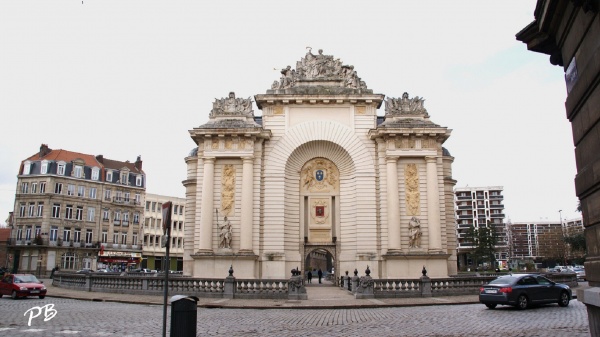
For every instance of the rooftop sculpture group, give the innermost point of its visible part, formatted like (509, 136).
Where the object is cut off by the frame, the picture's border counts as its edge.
(319, 67)
(405, 105)
(232, 106)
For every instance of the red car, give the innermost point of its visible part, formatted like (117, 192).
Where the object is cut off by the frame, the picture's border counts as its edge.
(22, 285)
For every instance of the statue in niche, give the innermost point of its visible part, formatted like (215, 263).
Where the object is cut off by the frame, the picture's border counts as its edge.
(414, 229)
(225, 235)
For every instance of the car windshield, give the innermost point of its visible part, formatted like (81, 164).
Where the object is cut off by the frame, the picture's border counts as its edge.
(504, 280)
(26, 279)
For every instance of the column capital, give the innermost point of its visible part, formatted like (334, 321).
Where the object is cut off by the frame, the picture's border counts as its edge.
(209, 159)
(430, 159)
(391, 159)
(246, 159)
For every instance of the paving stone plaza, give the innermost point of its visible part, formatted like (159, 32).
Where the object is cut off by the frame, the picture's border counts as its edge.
(85, 318)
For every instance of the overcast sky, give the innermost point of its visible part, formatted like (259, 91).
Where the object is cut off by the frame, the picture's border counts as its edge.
(127, 78)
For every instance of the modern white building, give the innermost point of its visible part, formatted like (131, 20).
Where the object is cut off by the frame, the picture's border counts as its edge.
(480, 207)
(319, 174)
(153, 250)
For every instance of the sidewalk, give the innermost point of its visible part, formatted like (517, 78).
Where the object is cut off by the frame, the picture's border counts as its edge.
(320, 296)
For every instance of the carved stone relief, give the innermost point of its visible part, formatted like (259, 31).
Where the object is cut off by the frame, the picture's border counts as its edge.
(227, 189)
(413, 197)
(319, 175)
(215, 144)
(278, 110)
(361, 110)
(228, 143)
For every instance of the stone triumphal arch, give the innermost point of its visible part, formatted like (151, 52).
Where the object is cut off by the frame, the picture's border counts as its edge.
(319, 180)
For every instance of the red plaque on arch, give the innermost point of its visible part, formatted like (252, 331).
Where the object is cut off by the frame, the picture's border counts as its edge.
(320, 210)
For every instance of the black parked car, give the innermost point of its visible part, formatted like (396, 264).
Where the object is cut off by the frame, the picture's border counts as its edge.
(523, 291)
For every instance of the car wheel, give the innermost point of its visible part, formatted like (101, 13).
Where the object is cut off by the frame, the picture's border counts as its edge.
(522, 302)
(491, 306)
(13, 295)
(563, 300)
(42, 297)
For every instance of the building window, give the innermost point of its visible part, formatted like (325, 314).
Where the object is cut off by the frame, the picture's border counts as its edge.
(92, 193)
(78, 171)
(116, 238)
(105, 216)
(117, 218)
(123, 238)
(28, 233)
(138, 199)
(118, 196)
(25, 188)
(69, 212)
(147, 205)
(107, 195)
(125, 218)
(42, 187)
(104, 236)
(40, 209)
(77, 235)
(153, 206)
(79, 214)
(95, 173)
(134, 239)
(109, 176)
(80, 191)
(124, 178)
(70, 189)
(53, 233)
(138, 180)
(58, 188)
(88, 236)
(60, 170)
(27, 167)
(33, 187)
(175, 207)
(44, 168)
(136, 218)
(56, 211)
(68, 261)
(20, 233)
(22, 210)
(91, 213)
(126, 196)
(31, 210)
(67, 234)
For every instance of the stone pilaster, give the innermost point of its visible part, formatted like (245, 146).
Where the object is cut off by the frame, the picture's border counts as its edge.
(206, 219)
(247, 205)
(393, 205)
(433, 206)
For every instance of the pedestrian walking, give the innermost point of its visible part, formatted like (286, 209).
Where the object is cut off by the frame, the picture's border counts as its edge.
(309, 277)
(320, 273)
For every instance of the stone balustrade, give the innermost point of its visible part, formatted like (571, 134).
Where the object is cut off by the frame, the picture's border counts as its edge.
(293, 288)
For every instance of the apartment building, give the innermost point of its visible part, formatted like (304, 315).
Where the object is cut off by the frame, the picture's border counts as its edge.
(525, 244)
(76, 210)
(480, 207)
(154, 252)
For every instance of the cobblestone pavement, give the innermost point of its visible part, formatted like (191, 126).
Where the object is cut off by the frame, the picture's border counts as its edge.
(87, 318)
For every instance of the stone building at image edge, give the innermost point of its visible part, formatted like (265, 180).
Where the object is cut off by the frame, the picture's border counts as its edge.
(319, 180)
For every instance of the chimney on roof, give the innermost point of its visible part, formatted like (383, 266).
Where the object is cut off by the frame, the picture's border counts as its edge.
(138, 163)
(44, 150)
(100, 158)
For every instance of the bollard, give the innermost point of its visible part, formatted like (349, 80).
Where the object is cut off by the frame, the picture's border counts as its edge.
(184, 315)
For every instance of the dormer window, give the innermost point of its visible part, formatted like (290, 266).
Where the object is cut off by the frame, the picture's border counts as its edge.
(60, 170)
(78, 171)
(44, 168)
(27, 167)
(124, 178)
(138, 180)
(109, 176)
(95, 173)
